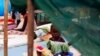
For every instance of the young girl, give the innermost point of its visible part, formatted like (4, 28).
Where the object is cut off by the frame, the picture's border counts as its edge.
(23, 21)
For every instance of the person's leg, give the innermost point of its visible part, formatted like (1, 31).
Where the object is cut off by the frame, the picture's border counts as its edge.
(23, 25)
(18, 21)
(20, 25)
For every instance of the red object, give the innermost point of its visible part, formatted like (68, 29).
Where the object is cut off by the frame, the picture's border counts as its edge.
(10, 21)
(40, 47)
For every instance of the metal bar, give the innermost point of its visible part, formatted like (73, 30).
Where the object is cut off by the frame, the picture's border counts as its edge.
(5, 28)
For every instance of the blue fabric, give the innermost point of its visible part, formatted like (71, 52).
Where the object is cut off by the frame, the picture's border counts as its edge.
(65, 54)
(2, 7)
(69, 54)
(15, 51)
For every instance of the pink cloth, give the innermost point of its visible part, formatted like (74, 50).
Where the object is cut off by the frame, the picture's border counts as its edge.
(11, 27)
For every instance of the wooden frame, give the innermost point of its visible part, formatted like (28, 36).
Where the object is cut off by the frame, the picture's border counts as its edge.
(5, 28)
(30, 27)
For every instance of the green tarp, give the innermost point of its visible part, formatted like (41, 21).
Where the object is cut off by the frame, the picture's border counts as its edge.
(18, 5)
(77, 20)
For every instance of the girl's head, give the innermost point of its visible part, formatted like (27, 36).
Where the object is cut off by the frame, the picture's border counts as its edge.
(44, 34)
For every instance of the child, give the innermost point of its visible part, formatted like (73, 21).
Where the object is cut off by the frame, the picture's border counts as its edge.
(46, 46)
